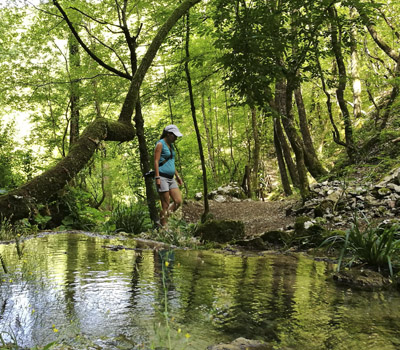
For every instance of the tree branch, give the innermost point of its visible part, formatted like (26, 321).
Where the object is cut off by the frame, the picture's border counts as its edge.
(132, 95)
(89, 52)
(111, 49)
(92, 18)
(377, 38)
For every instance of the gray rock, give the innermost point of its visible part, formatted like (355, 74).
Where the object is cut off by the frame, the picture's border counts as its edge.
(394, 187)
(220, 198)
(198, 196)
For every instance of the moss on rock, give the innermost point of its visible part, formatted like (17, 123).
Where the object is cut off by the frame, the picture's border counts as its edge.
(221, 231)
(362, 279)
(274, 237)
(308, 233)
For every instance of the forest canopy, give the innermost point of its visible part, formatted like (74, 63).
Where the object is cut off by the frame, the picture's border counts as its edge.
(270, 95)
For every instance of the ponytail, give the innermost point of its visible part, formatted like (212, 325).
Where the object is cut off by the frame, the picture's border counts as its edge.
(164, 134)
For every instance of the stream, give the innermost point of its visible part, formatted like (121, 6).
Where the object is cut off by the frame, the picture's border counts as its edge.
(76, 290)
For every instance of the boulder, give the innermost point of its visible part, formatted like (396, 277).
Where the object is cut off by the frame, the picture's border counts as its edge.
(230, 191)
(362, 279)
(274, 237)
(307, 232)
(220, 231)
(255, 243)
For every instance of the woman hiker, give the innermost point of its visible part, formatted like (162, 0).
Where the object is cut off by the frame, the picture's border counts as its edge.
(164, 167)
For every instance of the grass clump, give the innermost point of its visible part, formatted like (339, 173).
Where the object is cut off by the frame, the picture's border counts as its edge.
(178, 233)
(131, 218)
(376, 246)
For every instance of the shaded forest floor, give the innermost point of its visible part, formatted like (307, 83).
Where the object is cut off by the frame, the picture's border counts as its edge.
(257, 216)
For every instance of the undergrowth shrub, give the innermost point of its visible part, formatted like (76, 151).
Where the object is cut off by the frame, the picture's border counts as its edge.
(80, 213)
(131, 218)
(10, 230)
(375, 245)
(178, 233)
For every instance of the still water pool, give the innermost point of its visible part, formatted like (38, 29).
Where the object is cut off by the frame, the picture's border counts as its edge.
(71, 289)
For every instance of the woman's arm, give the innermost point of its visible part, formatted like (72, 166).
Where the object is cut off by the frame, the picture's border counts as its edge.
(157, 156)
(178, 178)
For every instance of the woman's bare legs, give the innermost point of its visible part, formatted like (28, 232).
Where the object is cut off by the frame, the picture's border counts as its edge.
(164, 197)
(176, 199)
(166, 207)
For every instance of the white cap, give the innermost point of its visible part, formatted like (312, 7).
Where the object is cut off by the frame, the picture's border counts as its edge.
(174, 129)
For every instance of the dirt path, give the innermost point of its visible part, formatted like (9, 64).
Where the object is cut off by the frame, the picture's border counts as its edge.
(258, 217)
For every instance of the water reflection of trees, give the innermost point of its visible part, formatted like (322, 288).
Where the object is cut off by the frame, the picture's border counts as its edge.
(279, 298)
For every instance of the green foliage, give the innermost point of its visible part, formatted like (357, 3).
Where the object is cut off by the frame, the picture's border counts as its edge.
(375, 246)
(131, 218)
(81, 215)
(178, 233)
(11, 159)
(11, 231)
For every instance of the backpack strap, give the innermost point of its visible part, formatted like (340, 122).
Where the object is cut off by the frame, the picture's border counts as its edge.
(170, 157)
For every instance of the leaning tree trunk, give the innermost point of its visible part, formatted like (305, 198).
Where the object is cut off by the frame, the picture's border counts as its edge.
(23, 201)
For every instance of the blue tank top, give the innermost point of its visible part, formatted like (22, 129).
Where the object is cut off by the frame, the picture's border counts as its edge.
(169, 166)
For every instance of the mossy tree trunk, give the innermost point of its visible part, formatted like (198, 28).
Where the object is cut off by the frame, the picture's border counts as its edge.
(25, 200)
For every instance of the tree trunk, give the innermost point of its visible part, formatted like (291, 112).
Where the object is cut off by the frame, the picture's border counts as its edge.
(246, 183)
(218, 165)
(196, 127)
(295, 142)
(280, 105)
(145, 164)
(256, 150)
(336, 46)
(144, 154)
(211, 131)
(230, 137)
(74, 62)
(313, 164)
(22, 202)
(208, 138)
(281, 162)
(394, 55)
(355, 74)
